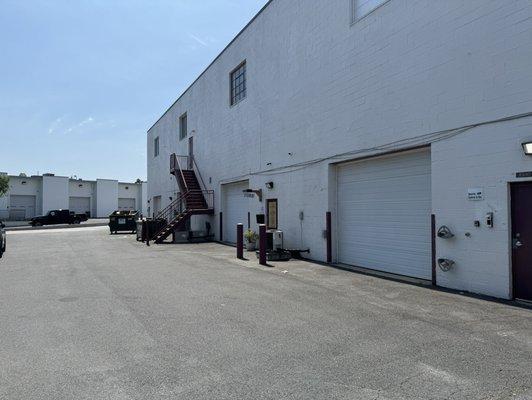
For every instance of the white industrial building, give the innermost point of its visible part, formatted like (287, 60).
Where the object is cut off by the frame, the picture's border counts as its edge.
(397, 117)
(29, 196)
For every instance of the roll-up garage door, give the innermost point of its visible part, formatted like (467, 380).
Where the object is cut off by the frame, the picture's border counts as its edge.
(80, 205)
(21, 207)
(235, 209)
(126, 204)
(384, 212)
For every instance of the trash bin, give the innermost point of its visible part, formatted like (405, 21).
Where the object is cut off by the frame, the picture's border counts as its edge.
(123, 221)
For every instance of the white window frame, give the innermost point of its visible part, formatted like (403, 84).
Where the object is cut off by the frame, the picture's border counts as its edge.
(355, 19)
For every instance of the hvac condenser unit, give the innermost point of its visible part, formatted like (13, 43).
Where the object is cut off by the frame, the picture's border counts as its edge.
(277, 240)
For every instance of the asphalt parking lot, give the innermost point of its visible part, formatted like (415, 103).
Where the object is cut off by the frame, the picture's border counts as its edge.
(86, 315)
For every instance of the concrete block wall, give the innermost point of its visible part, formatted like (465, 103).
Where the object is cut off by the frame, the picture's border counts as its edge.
(487, 158)
(319, 86)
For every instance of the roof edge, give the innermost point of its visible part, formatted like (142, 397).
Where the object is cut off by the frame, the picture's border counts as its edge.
(213, 61)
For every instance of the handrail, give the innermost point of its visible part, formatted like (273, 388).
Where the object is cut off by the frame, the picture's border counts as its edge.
(180, 206)
(204, 187)
(182, 175)
(178, 161)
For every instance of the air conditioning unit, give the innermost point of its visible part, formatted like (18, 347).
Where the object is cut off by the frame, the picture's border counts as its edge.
(277, 240)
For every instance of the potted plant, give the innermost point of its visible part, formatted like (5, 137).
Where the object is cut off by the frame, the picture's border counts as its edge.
(251, 239)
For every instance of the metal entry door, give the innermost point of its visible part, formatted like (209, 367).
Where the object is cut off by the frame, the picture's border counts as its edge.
(522, 240)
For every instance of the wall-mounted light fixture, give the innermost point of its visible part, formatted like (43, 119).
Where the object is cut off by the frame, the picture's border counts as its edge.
(527, 147)
(269, 185)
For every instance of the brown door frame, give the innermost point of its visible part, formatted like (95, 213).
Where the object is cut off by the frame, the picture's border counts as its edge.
(276, 213)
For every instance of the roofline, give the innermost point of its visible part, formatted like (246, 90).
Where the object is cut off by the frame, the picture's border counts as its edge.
(213, 61)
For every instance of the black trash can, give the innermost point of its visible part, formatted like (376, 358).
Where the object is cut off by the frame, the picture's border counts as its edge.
(123, 221)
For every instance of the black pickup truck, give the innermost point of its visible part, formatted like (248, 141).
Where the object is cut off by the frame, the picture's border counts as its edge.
(56, 217)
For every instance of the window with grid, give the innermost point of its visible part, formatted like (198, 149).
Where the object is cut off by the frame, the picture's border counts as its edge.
(183, 132)
(156, 146)
(238, 84)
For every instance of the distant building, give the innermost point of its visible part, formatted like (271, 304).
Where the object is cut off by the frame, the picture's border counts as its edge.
(37, 194)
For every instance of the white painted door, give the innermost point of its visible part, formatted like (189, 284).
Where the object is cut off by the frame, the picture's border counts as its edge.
(125, 204)
(80, 205)
(384, 214)
(235, 209)
(21, 207)
(156, 206)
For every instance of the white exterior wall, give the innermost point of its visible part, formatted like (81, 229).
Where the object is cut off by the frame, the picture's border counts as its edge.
(319, 86)
(54, 193)
(107, 195)
(31, 187)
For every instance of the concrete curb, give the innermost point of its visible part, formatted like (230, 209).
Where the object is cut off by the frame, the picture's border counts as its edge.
(51, 227)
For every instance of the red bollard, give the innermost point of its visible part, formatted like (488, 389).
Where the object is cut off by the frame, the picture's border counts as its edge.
(240, 241)
(262, 245)
(328, 224)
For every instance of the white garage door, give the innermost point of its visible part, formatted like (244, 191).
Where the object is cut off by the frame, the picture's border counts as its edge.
(21, 207)
(384, 213)
(126, 204)
(80, 205)
(235, 209)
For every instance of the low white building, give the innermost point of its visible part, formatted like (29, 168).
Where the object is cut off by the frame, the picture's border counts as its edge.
(37, 194)
(394, 117)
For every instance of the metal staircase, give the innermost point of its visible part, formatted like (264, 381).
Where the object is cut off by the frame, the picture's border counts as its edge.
(194, 199)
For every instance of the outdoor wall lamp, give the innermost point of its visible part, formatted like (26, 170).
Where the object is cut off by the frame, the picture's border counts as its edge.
(269, 185)
(257, 192)
(527, 147)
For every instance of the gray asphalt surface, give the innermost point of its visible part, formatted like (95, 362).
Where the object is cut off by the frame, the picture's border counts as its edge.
(85, 315)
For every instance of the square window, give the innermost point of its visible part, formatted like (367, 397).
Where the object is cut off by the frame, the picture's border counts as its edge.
(238, 84)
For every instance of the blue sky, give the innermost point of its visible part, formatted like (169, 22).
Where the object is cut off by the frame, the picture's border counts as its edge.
(82, 81)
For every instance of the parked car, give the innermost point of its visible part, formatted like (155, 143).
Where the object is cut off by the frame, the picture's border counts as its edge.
(2, 239)
(55, 217)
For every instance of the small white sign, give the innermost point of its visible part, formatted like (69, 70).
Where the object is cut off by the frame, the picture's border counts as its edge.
(475, 194)
(249, 195)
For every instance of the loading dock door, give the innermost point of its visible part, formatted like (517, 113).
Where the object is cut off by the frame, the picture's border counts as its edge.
(384, 214)
(126, 204)
(21, 207)
(235, 209)
(80, 205)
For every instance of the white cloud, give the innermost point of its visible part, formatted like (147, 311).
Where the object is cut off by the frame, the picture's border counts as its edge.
(198, 40)
(86, 121)
(55, 125)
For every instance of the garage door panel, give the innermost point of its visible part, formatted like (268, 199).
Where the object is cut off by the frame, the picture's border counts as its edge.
(235, 208)
(126, 204)
(384, 207)
(22, 206)
(80, 205)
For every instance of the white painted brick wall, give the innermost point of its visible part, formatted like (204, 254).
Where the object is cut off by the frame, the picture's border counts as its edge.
(319, 86)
